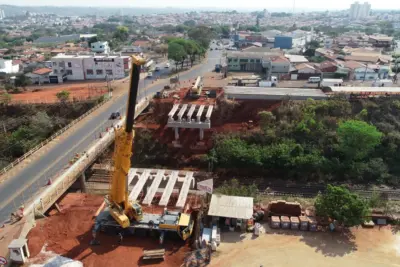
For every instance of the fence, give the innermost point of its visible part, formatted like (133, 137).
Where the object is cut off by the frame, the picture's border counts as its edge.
(48, 140)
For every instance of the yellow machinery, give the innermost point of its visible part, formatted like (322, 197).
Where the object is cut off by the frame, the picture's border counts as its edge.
(121, 209)
(125, 212)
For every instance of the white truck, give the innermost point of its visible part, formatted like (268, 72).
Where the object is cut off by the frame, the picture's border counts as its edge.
(272, 83)
(382, 83)
(331, 82)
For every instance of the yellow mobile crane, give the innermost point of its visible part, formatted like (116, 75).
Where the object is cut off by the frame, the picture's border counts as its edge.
(126, 213)
(121, 209)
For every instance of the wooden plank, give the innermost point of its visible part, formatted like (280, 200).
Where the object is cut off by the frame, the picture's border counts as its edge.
(184, 190)
(153, 188)
(182, 111)
(209, 111)
(168, 189)
(139, 185)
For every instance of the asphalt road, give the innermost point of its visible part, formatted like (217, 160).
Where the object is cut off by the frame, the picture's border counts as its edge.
(26, 183)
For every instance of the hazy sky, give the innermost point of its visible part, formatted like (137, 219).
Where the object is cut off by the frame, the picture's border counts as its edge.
(229, 4)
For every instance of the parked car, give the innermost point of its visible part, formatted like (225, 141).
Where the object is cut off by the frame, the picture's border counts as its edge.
(167, 65)
(157, 68)
(115, 115)
(314, 79)
(149, 74)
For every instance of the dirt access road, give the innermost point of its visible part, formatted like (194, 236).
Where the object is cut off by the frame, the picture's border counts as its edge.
(286, 248)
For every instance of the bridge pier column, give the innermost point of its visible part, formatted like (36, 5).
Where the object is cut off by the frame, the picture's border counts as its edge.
(201, 134)
(176, 133)
(83, 182)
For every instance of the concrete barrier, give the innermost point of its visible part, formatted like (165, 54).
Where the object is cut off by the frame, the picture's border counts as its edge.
(61, 183)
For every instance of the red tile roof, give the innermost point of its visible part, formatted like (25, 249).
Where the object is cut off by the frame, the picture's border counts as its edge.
(42, 71)
(279, 59)
(141, 43)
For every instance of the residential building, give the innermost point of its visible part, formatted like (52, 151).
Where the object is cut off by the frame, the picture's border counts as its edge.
(381, 41)
(131, 50)
(40, 76)
(296, 59)
(7, 66)
(2, 15)
(91, 67)
(306, 68)
(359, 11)
(144, 45)
(365, 73)
(100, 47)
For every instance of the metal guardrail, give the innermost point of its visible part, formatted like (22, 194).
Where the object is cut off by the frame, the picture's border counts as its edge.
(51, 138)
(61, 183)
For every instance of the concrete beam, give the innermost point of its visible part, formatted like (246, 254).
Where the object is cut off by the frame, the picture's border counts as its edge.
(199, 112)
(153, 188)
(139, 185)
(168, 189)
(190, 113)
(182, 111)
(185, 190)
(173, 111)
(209, 111)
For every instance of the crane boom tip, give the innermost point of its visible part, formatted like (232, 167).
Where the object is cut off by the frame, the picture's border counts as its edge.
(138, 60)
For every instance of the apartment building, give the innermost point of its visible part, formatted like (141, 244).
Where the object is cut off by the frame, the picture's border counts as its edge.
(359, 11)
(91, 67)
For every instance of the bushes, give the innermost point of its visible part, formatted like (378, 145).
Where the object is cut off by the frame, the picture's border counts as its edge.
(320, 140)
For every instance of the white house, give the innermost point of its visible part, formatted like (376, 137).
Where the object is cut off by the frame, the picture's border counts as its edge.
(100, 47)
(40, 76)
(91, 67)
(369, 74)
(6, 66)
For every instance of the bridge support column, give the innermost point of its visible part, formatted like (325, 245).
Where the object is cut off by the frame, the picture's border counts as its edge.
(201, 134)
(176, 133)
(83, 182)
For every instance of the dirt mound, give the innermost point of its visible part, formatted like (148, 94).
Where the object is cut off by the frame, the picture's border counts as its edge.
(69, 233)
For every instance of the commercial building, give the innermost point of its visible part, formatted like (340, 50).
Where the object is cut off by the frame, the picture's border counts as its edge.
(283, 42)
(100, 47)
(7, 66)
(359, 11)
(91, 67)
(268, 63)
(62, 38)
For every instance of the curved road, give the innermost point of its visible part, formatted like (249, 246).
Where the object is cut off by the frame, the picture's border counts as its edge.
(23, 185)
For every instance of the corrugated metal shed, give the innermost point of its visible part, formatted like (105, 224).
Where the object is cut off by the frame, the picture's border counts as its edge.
(272, 93)
(365, 89)
(231, 206)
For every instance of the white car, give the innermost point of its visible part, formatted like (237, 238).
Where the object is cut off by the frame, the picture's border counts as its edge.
(149, 74)
(157, 68)
(167, 65)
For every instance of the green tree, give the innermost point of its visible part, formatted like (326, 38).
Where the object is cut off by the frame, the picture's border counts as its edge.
(340, 204)
(63, 96)
(192, 49)
(357, 138)
(5, 99)
(190, 23)
(201, 34)
(22, 80)
(122, 33)
(177, 53)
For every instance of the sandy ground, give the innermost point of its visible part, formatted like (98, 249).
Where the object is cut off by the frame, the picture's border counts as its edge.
(69, 233)
(47, 94)
(286, 248)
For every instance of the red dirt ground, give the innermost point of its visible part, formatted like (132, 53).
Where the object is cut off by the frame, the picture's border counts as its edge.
(69, 233)
(47, 94)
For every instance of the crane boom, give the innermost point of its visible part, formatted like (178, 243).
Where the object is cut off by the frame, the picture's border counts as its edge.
(121, 209)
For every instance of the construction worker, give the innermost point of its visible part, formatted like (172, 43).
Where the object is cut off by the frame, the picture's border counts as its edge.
(120, 238)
